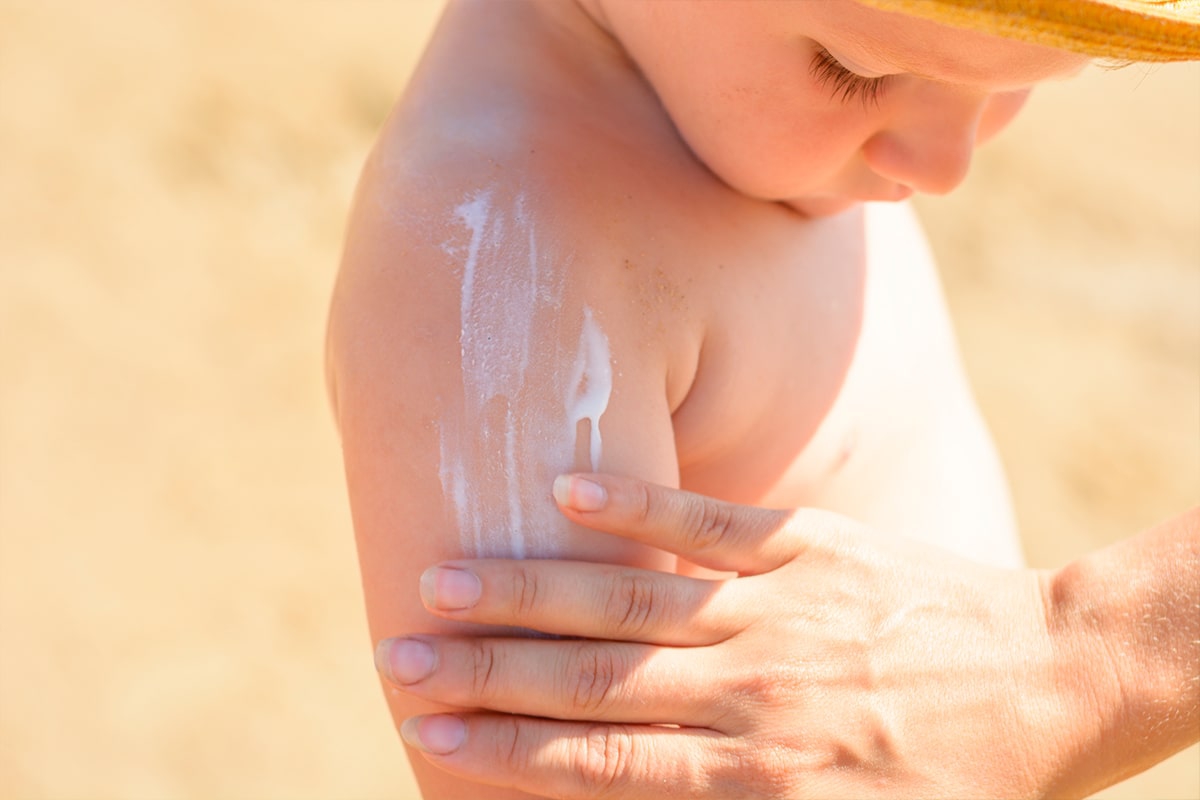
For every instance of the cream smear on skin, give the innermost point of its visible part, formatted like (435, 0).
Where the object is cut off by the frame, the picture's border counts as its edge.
(502, 448)
(591, 383)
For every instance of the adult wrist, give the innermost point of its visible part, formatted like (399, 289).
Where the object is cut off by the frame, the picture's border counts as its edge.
(1087, 678)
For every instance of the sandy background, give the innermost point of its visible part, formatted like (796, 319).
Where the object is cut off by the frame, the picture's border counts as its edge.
(179, 608)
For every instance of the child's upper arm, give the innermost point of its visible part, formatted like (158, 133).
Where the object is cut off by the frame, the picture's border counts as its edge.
(476, 350)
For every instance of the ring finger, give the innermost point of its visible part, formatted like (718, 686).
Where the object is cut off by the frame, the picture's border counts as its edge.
(566, 680)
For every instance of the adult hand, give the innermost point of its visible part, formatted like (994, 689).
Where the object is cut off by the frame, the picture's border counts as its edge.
(839, 663)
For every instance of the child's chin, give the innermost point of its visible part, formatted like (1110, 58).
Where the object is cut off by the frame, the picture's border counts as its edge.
(818, 207)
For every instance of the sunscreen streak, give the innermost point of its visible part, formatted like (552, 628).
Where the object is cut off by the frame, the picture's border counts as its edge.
(591, 384)
(503, 443)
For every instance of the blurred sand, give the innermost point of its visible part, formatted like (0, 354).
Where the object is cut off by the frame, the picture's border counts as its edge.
(179, 607)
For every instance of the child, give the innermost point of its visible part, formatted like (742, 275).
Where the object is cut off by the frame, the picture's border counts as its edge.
(663, 239)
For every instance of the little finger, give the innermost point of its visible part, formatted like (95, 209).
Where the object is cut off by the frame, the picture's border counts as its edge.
(573, 759)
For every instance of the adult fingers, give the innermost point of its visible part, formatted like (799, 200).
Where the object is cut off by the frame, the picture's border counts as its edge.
(708, 532)
(596, 601)
(573, 759)
(566, 680)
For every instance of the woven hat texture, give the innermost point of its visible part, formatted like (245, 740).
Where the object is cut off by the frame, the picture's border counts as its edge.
(1122, 30)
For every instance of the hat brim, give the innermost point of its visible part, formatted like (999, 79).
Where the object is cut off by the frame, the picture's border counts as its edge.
(1121, 30)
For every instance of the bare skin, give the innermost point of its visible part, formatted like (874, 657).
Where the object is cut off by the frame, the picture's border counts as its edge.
(897, 672)
(678, 174)
(900, 671)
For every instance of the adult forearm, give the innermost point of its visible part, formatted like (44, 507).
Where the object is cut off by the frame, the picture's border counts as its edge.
(1126, 626)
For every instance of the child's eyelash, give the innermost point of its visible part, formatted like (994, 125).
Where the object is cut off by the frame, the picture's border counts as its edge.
(842, 83)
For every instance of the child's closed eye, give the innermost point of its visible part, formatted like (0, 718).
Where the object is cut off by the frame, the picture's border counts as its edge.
(843, 84)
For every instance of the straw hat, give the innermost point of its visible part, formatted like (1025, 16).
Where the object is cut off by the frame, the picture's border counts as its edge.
(1125, 30)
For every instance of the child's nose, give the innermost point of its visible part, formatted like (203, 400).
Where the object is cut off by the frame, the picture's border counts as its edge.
(930, 149)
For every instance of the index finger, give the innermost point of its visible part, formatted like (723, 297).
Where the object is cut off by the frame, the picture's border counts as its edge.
(709, 532)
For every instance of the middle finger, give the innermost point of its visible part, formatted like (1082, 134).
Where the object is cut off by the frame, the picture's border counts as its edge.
(595, 601)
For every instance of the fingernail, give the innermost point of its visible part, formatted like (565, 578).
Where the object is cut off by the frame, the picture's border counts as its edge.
(450, 588)
(571, 491)
(404, 661)
(440, 734)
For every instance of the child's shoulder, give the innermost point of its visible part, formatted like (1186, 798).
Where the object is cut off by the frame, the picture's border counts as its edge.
(533, 203)
(495, 186)
(504, 105)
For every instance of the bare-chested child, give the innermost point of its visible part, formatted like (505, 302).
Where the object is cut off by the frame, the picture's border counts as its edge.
(668, 240)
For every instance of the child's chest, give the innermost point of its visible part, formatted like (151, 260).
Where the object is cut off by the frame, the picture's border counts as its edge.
(783, 324)
(833, 380)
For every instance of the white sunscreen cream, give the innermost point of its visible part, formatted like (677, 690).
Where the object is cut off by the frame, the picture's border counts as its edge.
(591, 384)
(502, 444)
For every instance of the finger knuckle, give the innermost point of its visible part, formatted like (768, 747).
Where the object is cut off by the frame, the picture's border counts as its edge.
(632, 604)
(511, 745)
(708, 524)
(483, 670)
(641, 504)
(593, 680)
(767, 770)
(772, 686)
(605, 760)
(759, 691)
(524, 591)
